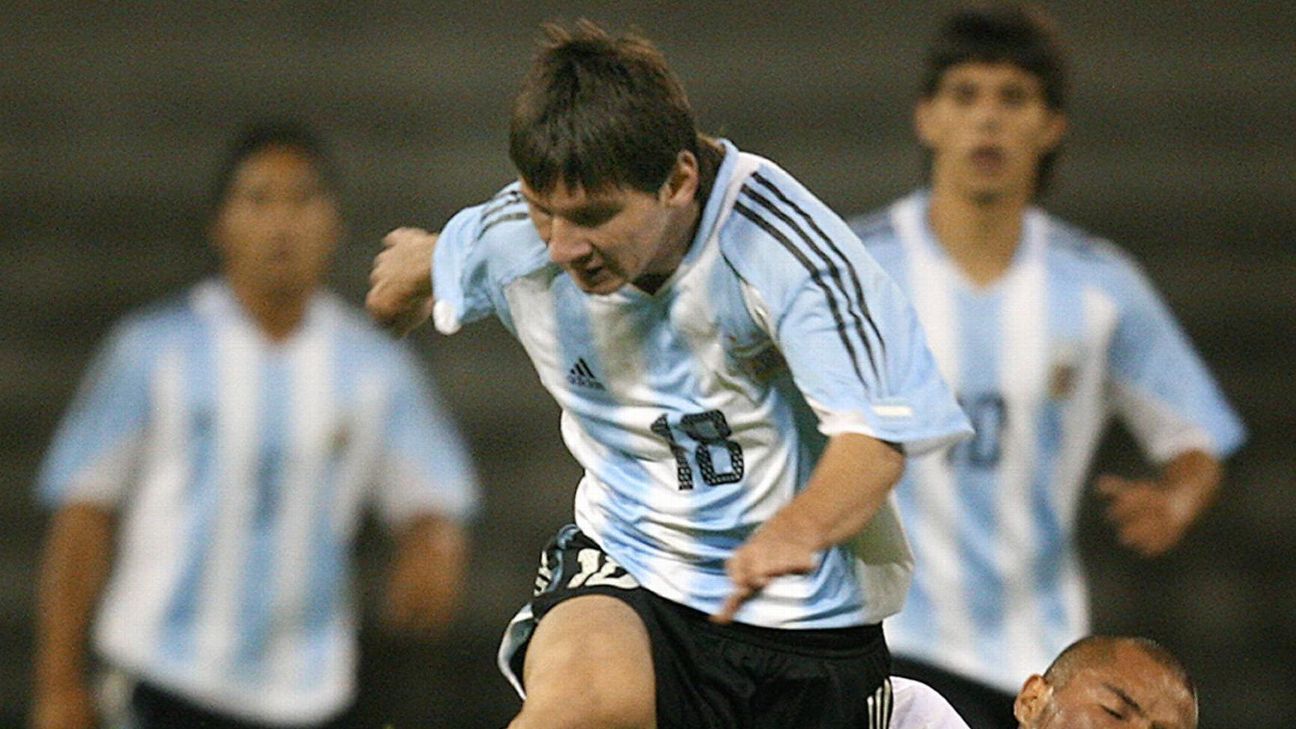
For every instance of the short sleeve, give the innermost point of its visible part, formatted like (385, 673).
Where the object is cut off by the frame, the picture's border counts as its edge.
(475, 251)
(97, 443)
(1161, 387)
(425, 465)
(848, 334)
(864, 366)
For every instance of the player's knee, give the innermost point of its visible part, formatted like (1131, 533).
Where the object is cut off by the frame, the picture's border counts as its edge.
(589, 666)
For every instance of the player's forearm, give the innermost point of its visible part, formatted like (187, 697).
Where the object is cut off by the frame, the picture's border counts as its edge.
(74, 569)
(1193, 478)
(846, 490)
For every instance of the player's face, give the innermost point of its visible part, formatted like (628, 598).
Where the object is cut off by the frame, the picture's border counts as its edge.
(615, 236)
(987, 126)
(278, 224)
(1130, 692)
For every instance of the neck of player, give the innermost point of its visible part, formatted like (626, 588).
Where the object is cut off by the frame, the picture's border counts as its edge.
(979, 231)
(277, 314)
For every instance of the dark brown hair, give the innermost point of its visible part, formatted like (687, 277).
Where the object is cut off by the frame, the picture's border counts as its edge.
(1021, 35)
(597, 111)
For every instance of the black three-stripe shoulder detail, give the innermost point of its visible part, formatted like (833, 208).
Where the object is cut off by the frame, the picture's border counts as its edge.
(502, 208)
(779, 236)
(860, 301)
(505, 217)
(501, 200)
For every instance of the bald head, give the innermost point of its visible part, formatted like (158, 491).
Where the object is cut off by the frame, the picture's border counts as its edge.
(1110, 681)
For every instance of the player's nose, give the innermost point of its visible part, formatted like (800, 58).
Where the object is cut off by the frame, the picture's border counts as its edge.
(566, 244)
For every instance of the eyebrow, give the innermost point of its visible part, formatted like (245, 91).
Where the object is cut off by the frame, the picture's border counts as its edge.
(1125, 697)
(594, 208)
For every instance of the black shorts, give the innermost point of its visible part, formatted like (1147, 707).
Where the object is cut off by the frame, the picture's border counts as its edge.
(153, 707)
(720, 676)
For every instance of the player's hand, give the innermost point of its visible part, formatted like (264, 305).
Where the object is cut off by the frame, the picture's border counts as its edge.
(400, 284)
(67, 707)
(1149, 517)
(778, 548)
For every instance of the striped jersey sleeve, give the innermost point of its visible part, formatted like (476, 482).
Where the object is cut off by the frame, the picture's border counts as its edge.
(479, 249)
(1161, 387)
(98, 440)
(851, 339)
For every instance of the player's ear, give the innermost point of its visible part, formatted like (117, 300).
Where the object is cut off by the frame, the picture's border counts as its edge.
(681, 185)
(1054, 130)
(1031, 700)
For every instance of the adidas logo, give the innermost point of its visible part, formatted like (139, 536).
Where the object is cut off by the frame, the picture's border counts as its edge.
(581, 375)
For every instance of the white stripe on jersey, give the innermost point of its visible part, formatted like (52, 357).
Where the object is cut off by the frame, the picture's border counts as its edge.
(152, 525)
(235, 462)
(305, 489)
(1023, 374)
(933, 525)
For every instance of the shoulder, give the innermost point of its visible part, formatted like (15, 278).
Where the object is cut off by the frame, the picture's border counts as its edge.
(358, 334)
(1090, 258)
(501, 232)
(776, 221)
(875, 228)
(151, 325)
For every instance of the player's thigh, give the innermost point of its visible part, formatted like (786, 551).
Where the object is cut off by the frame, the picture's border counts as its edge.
(590, 659)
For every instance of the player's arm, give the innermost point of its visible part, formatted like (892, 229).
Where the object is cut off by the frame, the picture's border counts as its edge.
(1165, 394)
(400, 284)
(425, 583)
(74, 568)
(1152, 515)
(850, 483)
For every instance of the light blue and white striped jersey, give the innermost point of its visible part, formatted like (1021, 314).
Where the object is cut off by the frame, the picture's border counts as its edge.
(700, 410)
(239, 469)
(1070, 334)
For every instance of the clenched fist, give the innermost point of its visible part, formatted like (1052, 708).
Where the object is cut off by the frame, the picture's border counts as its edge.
(400, 284)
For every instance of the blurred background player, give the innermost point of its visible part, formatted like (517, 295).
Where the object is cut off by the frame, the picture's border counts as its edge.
(1043, 330)
(213, 469)
(738, 379)
(1105, 681)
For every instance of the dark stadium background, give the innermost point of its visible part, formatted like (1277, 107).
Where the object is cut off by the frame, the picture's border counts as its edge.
(112, 116)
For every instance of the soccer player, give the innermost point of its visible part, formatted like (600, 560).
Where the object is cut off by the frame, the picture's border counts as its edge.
(1044, 331)
(738, 379)
(225, 442)
(1105, 681)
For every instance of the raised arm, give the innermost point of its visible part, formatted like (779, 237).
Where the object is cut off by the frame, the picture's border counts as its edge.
(400, 284)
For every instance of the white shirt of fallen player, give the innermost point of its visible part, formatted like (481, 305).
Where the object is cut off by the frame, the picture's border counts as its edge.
(1071, 334)
(700, 410)
(915, 705)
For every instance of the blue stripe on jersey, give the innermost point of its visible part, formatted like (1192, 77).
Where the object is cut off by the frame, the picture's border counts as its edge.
(257, 594)
(857, 308)
(979, 378)
(198, 390)
(833, 307)
(1065, 323)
